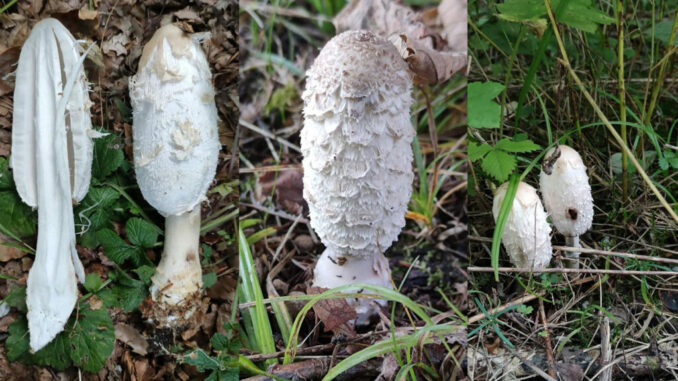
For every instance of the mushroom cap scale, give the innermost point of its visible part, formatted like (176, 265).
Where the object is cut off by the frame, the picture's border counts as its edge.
(356, 143)
(176, 145)
(526, 235)
(567, 194)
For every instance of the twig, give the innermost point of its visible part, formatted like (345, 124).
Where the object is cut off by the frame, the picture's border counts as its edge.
(269, 135)
(605, 353)
(602, 252)
(547, 341)
(570, 271)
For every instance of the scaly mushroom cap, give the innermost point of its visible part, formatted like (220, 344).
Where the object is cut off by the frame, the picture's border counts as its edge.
(356, 143)
(526, 236)
(567, 193)
(176, 146)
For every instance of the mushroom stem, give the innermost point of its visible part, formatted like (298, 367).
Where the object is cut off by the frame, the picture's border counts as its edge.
(572, 257)
(179, 274)
(335, 270)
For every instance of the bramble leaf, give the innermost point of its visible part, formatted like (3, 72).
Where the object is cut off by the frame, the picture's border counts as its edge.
(141, 232)
(483, 111)
(499, 165)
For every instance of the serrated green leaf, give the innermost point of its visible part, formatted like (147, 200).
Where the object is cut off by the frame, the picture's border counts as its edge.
(16, 217)
(141, 232)
(116, 249)
(499, 165)
(209, 279)
(579, 14)
(92, 282)
(17, 342)
(477, 151)
(95, 211)
(108, 157)
(201, 360)
(219, 341)
(87, 342)
(483, 111)
(517, 146)
(91, 339)
(6, 181)
(145, 273)
(17, 298)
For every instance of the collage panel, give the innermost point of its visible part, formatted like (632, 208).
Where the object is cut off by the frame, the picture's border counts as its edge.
(572, 193)
(118, 189)
(353, 178)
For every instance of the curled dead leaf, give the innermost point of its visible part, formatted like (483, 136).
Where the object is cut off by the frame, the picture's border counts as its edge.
(432, 56)
(130, 336)
(335, 314)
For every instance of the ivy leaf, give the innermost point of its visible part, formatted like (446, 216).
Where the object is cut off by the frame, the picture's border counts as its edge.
(107, 158)
(141, 232)
(517, 146)
(499, 165)
(477, 151)
(116, 249)
(483, 111)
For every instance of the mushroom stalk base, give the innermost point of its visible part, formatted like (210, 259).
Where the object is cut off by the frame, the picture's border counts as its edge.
(571, 260)
(178, 277)
(335, 270)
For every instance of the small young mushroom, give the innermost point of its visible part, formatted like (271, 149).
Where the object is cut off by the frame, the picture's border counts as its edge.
(356, 144)
(176, 148)
(567, 196)
(526, 236)
(51, 160)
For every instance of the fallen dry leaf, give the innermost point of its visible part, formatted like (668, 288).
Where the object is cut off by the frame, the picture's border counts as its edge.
(288, 186)
(452, 14)
(334, 313)
(130, 336)
(7, 253)
(86, 14)
(116, 44)
(430, 59)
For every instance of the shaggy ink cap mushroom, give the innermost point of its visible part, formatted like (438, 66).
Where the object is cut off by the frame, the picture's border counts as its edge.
(356, 144)
(526, 235)
(176, 148)
(51, 161)
(567, 197)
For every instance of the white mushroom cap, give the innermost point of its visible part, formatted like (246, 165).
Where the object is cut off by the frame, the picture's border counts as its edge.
(526, 236)
(356, 143)
(175, 122)
(567, 193)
